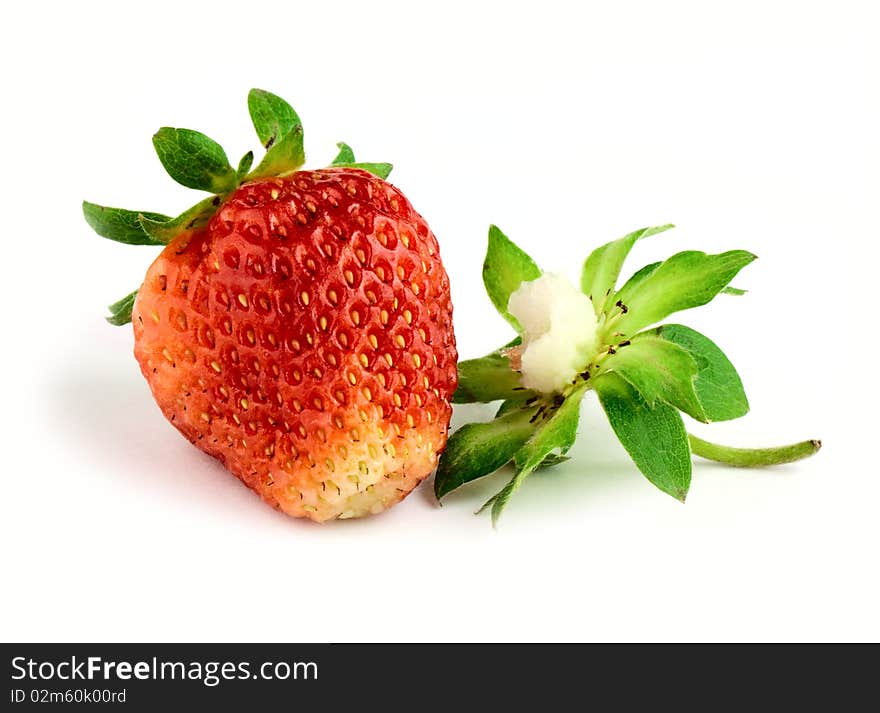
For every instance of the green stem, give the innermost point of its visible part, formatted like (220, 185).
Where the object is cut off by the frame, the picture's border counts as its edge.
(611, 318)
(753, 457)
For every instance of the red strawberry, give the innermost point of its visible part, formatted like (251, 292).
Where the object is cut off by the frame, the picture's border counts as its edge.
(299, 329)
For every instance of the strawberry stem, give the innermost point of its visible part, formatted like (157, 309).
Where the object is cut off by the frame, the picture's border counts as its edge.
(753, 457)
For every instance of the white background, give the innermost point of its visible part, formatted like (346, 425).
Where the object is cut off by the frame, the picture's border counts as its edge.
(749, 124)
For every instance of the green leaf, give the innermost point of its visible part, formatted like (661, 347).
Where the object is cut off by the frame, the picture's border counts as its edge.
(280, 131)
(165, 231)
(602, 268)
(687, 279)
(285, 156)
(558, 432)
(717, 384)
(753, 457)
(120, 312)
(345, 156)
(194, 160)
(486, 379)
(622, 295)
(505, 268)
(119, 224)
(272, 116)
(654, 437)
(551, 460)
(382, 170)
(479, 449)
(345, 159)
(244, 165)
(659, 370)
(513, 404)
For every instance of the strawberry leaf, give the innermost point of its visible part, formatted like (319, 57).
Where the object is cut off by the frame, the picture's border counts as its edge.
(558, 432)
(120, 312)
(753, 457)
(717, 384)
(486, 379)
(382, 170)
(660, 370)
(272, 117)
(505, 268)
(345, 159)
(280, 131)
(119, 224)
(513, 404)
(551, 460)
(478, 449)
(163, 231)
(345, 156)
(654, 436)
(285, 156)
(622, 295)
(687, 279)
(602, 268)
(194, 160)
(244, 165)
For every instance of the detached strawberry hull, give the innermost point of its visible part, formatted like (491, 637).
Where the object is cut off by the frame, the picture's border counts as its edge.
(303, 337)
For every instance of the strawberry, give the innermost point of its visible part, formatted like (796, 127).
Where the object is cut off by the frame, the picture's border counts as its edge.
(297, 325)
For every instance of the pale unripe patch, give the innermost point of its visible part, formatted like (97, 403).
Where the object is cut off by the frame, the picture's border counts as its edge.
(559, 332)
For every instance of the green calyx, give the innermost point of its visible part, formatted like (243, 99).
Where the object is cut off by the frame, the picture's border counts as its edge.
(345, 159)
(196, 161)
(645, 376)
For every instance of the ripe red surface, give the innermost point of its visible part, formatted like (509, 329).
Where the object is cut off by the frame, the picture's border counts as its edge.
(304, 338)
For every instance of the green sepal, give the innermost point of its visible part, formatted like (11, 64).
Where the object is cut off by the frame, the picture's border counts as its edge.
(478, 449)
(753, 457)
(345, 155)
(512, 404)
(120, 312)
(639, 276)
(486, 379)
(285, 156)
(557, 432)
(623, 294)
(654, 437)
(244, 165)
(659, 370)
(197, 216)
(717, 384)
(554, 433)
(382, 170)
(505, 268)
(551, 460)
(345, 159)
(602, 268)
(686, 280)
(280, 131)
(119, 224)
(272, 117)
(194, 160)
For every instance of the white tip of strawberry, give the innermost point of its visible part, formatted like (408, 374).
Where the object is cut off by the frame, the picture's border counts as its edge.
(559, 332)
